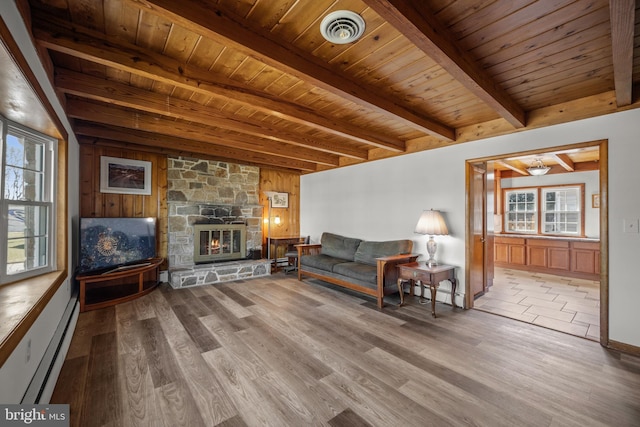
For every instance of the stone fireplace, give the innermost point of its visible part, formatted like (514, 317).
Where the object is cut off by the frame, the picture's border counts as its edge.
(222, 195)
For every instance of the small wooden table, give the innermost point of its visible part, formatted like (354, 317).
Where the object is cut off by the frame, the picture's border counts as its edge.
(277, 242)
(419, 272)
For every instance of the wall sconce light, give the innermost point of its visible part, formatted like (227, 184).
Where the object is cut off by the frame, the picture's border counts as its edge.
(276, 220)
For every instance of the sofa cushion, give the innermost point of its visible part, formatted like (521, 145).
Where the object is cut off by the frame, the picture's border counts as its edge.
(357, 270)
(321, 262)
(367, 252)
(338, 246)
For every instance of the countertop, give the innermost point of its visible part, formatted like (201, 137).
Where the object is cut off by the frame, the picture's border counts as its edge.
(538, 236)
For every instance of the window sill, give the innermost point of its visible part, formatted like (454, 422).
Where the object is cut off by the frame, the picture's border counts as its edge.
(20, 305)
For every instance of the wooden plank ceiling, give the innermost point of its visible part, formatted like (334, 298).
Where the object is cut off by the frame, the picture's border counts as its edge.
(255, 82)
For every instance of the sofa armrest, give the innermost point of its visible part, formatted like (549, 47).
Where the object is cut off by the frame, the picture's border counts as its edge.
(387, 271)
(398, 259)
(308, 249)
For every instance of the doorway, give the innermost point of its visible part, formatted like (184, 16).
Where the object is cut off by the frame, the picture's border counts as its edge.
(486, 221)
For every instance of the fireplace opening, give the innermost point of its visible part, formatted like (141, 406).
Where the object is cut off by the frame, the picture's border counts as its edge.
(219, 242)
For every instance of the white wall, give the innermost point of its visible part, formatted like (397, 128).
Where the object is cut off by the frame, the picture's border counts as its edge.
(17, 370)
(383, 200)
(591, 181)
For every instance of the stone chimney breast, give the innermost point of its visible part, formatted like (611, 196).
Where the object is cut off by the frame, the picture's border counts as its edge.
(201, 191)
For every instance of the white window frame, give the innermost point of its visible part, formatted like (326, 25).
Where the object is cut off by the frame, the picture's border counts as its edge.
(521, 212)
(563, 210)
(49, 189)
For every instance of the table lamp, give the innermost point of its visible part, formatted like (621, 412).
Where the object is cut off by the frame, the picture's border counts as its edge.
(432, 224)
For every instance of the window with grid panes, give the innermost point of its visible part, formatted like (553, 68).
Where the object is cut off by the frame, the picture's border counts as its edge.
(561, 213)
(521, 211)
(26, 202)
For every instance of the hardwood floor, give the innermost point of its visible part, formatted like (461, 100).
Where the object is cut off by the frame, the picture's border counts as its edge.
(279, 352)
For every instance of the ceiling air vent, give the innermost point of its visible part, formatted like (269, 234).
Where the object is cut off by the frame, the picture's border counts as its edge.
(342, 27)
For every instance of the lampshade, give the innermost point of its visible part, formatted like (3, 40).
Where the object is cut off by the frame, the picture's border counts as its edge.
(432, 223)
(538, 168)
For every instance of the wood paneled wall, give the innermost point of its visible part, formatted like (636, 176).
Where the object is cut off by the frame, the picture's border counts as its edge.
(282, 182)
(93, 203)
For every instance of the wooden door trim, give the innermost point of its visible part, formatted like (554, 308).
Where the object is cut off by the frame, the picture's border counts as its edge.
(468, 297)
(604, 226)
(604, 243)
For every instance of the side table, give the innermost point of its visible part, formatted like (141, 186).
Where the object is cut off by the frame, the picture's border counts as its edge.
(277, 242)
(422, 274)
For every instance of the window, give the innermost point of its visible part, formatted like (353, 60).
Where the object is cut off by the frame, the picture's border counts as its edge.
(562, 210)
(521, 209)
(557, 209)
(27, 202)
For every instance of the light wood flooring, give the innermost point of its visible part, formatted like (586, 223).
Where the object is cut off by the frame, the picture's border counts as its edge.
(560, 303)
(279, 352)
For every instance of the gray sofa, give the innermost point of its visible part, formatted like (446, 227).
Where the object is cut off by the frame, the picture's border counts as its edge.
(363, 266)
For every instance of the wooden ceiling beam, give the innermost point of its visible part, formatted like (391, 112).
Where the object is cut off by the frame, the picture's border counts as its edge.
(209, 20)
(98, 89)
(419, 24)
(163, 144)
(117, 116)
(566, 112)
(622, 32)
(556, 169)
(178, 153)
(61, 36)
(514, 167)
(565, 161)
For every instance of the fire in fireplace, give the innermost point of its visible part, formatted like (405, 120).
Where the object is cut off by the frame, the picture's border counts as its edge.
(219, 242)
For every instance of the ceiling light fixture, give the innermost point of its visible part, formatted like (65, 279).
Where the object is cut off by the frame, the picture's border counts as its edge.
(342, 27)
(538, 168)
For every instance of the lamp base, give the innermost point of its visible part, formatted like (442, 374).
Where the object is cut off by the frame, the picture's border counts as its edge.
(432, 246)
(431, 263)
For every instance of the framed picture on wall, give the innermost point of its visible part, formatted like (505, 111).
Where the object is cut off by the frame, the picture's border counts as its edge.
(125, 176)
(280, 200)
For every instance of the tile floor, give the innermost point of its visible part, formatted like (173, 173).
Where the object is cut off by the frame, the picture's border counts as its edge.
(561, 303)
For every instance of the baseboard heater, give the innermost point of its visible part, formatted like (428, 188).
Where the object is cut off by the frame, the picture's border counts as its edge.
(44, 380)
